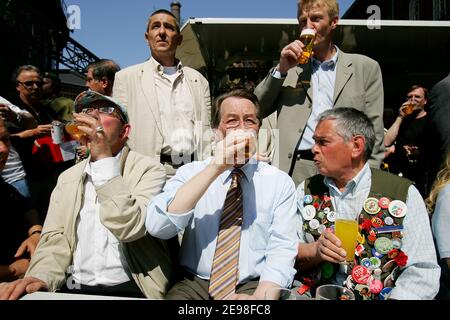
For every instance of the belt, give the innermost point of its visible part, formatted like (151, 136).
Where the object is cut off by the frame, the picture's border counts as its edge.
(305, 154)
(175, 159)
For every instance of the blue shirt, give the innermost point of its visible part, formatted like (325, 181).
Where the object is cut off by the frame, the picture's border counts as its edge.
(420, 278)
(441, 222)
(323, 80)
(268, 245)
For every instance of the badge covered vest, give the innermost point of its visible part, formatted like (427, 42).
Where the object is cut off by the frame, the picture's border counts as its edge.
(378, 255)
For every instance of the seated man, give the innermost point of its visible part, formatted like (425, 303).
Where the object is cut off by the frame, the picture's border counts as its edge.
(94, 230)
(394, 254)
(20, 223)
(239, 214)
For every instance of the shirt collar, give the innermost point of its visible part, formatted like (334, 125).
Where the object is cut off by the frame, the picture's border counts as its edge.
(327, 64)
(160, 69)
(361, 177)
(248, 169)
(88, 169)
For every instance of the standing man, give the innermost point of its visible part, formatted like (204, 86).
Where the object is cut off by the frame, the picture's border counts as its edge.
(239, 213)
(438, 128)
(100, 76)
(332, 79)
(393, 256)
(409, 135)
(94, 239)
(168, 103)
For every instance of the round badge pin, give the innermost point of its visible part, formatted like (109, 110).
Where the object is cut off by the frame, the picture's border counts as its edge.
(383, 245)
(309, 238)
(371, 206)
(322, 228)
(366, 263)
(314, 224)
(377, 222)
(397, 243)
(376, 254)
(375, 263)
(388, 221)
(384, 203)
(326, 210)
(308, 199)
(360, 274)
(309, 213)
(398, 209)
(389, 266)
(331, 216)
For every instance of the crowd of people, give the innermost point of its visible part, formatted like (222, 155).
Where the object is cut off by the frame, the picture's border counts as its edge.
(167, 195)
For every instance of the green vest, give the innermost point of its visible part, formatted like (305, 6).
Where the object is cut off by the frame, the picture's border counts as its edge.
(379, 230)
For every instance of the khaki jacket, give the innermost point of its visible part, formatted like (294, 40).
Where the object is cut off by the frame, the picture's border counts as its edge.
(135, 88)
(288, 103)
(123, 207)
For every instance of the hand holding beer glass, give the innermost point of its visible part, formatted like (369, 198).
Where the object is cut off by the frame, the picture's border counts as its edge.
(407, 108)
(307, 37)
(72, 129)
(236, 148)
(347, 232)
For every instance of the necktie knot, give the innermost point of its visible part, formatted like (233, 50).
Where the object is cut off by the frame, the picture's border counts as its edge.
(236, 177)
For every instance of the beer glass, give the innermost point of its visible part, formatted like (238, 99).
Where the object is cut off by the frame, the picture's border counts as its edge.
(347, 232)
(72, 129)
(334, 292)
(408, 108)
(282, 294)
(307, 37)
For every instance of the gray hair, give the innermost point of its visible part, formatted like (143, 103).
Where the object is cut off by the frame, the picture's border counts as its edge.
(351, 122)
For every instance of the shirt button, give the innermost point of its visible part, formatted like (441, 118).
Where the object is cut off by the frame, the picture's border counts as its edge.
(290, 155)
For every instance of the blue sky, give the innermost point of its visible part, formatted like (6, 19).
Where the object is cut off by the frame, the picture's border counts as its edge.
(115, 29)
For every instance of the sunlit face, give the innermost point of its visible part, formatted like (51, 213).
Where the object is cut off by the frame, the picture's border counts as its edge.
(332, 155)
(4, 146)
(29, 85)
(238, 113)
(316, 17)
(116, 132)
(93, 84)
(162, 35)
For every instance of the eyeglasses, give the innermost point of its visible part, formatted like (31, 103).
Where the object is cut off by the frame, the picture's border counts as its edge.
(104, 110)
(30, 84)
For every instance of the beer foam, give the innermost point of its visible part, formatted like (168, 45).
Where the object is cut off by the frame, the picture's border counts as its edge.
(305, 32)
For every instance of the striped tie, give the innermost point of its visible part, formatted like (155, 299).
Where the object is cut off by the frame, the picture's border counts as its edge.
(224, 272)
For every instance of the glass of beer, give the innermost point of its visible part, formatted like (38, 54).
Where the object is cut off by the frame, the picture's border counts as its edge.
(408, 107)
(347, 232)
(334, 292)
(72, 129)
(307, 37)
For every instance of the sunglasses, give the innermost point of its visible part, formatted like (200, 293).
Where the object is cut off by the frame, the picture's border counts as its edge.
(30, 84)
(104, 110)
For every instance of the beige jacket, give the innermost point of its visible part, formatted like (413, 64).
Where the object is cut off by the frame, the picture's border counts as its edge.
(135, 88)
(288, 103)
(123, 207)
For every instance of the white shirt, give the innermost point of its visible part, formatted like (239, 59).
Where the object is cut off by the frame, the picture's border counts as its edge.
(98, 258)
(323, 80)
(176, 108)
(268, 245)
(441, 222)
(420, 277)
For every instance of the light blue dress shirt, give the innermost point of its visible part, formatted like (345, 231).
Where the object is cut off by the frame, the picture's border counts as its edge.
(323, 80)
(420, 278)
(268, 245)
(441, 222)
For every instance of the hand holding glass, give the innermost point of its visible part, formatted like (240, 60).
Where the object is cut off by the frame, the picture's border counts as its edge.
(347, 232)
(72, 129)
(307, 37)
